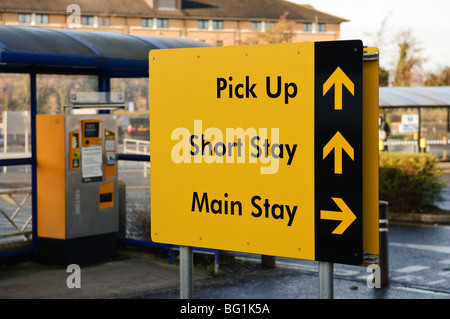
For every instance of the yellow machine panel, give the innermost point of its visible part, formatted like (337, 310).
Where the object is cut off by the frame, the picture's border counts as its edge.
(51, 199)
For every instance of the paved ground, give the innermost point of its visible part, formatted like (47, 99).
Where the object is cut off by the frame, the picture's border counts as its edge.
(418, 269)
(138, 273)
(134, 271)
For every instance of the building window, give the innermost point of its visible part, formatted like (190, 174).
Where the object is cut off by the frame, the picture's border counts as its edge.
(167, 4)
(203, 24)
(24, 17)
(42, 18)
(217, 24)
(147, 22)
(87, 20)
(256, 25)
(321, 27)
(307, 27)
(270, 25)
(103, 21)
(162, 23)
(219, 43)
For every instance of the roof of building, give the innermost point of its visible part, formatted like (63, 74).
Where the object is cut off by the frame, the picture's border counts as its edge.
(229, 9)
(424, 96)
(115, 53)
(256, 9)
(88, 7)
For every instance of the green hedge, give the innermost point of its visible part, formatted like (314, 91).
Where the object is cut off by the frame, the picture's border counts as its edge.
(409, 182)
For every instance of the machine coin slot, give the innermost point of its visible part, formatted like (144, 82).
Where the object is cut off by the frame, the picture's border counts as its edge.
(104, 198)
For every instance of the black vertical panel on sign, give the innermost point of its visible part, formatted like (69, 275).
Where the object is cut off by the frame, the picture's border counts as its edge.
(345, 248)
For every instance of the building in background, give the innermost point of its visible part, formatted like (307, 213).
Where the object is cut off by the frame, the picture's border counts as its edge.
(217, 22)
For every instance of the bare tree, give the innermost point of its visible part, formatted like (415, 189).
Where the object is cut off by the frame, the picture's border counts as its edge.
(441, 78)
(282, 32)
(381, 40)
(409, 60)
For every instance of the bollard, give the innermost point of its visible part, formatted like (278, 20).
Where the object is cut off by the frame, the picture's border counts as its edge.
(267, 261)
(384, 249)
(423, 145)
(122, 209)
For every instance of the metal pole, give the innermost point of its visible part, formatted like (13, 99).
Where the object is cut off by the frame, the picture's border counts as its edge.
(33, 113)
(326, 290)
(384, 249)
(448, 119)
(186, 272)
(419, 133)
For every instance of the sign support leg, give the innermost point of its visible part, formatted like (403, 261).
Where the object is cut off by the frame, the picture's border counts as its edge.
(326, 280)
(186, 272)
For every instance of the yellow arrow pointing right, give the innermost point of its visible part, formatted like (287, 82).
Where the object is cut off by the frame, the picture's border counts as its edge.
(346, 216)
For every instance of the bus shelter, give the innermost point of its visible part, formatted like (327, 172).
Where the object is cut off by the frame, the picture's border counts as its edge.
(39, 68)
(417, 118)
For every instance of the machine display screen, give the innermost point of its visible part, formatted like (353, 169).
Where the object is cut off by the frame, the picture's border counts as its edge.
(91, 130)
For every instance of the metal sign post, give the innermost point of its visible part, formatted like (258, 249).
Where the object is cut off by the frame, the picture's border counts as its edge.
(326, 289)
(186, 272)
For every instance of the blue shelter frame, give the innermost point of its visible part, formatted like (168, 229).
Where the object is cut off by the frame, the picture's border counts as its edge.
(106, 55)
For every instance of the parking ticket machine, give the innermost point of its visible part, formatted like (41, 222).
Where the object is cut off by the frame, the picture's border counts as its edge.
(77, 187)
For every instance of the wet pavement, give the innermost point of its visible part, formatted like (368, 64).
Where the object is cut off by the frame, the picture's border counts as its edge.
(299, 280)
(419, 269)
(139, 273)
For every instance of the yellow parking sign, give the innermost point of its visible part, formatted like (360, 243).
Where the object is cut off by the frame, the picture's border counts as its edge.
(242, 155)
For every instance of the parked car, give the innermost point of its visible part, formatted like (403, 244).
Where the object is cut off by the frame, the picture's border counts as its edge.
(136, 127)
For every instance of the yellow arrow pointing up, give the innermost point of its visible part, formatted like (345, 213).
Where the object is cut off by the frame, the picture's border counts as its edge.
(338, 79)
(338, 143)
(345, 215)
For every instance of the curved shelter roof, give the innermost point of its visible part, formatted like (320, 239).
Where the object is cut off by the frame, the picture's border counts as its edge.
(424, 96)
(71, 49)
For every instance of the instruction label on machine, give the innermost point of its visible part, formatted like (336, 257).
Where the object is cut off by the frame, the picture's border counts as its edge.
(91, 164)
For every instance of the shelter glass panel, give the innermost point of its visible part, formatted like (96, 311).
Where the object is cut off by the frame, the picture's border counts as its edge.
(53, 90)
(134, 121)
(395, 128)
(15, 207)
(134, 139)
(434, 123)
(401, 129)
(15, 132)
(134, 178)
